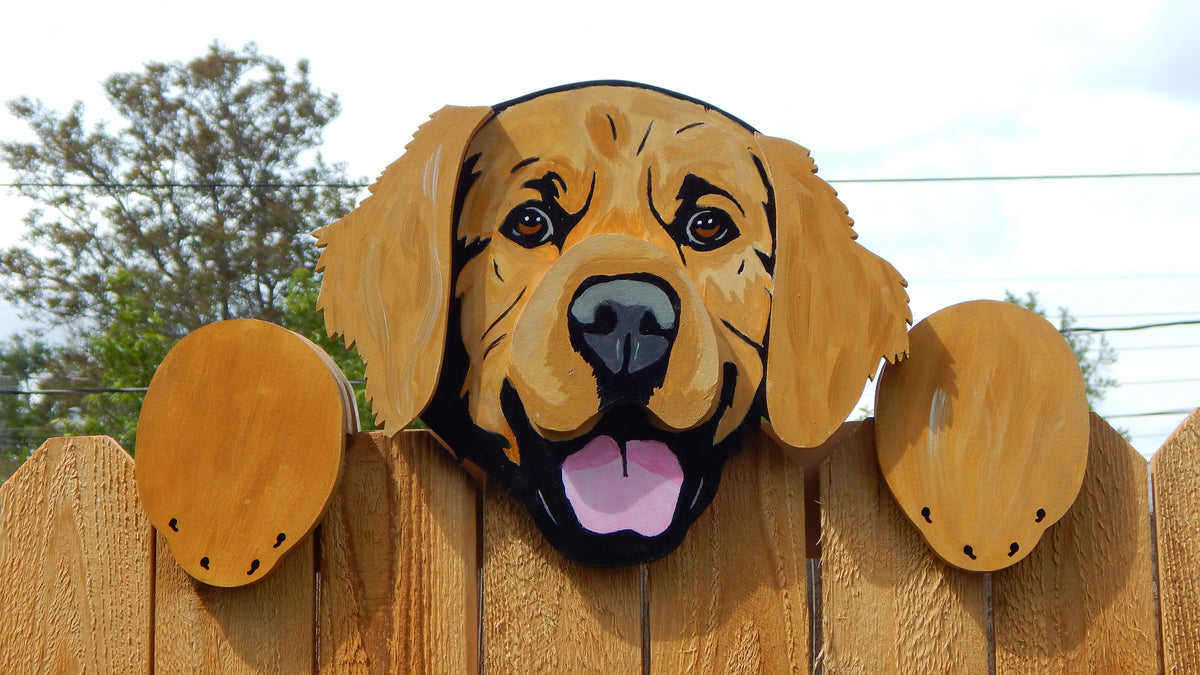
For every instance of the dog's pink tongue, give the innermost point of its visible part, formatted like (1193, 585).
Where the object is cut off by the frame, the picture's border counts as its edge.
(609, 495)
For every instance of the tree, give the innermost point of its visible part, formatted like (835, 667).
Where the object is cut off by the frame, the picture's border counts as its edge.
(23, 360)
(1094, 355)
(196, 207)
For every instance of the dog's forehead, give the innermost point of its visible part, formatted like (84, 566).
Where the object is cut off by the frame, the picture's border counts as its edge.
(609, 119)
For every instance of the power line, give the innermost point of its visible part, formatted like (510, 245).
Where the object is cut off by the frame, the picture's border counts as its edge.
(195, 186)
(1129, 316)
(78, 390)
(1152, 347)
(1167, 324)
(359, 186)
(981, 280)
(1073, 176)
(1157, 413)
(98, 390)
(25, 392)
(1145, 382)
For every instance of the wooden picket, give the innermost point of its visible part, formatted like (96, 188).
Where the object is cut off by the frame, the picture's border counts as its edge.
(76, 562)
(889, 604)
(1176, 473)
(415, 569)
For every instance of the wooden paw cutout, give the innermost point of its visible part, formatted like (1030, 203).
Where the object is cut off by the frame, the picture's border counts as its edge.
(239, 447)
(982, 433)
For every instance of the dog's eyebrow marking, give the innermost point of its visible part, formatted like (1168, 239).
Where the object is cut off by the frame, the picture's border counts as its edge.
(694, 187)
(524, 163)
(547, 185)
(745, 338)
(642, 146)
(690, 126)
(504, 313)
(496, 270)
(612, 125)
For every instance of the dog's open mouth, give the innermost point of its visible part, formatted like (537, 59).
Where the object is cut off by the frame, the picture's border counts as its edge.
(613, 488)
(625, 492)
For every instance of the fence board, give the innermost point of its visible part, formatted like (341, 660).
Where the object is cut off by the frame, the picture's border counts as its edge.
(1083, 601)
(732, 598)
(74, 562)
(399, 561)
(1176, 470)
(889, 604)
(264, 627)
(545, 614)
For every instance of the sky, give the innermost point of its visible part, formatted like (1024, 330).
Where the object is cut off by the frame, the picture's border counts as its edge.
(876, 90)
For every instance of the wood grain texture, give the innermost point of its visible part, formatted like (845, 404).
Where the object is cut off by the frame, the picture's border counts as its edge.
(399, 561)
(1083, 601)
(240, 445)
(732, 597)
(75, 561)
(889, 604)
(545, 614)
(267, 627)
(1176, 471)
(982, 433)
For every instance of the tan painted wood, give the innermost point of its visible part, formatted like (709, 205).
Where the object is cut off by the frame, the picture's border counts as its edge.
(889, 604)
(545, 614)
(399, 574)
(836, 309)
(75, 558)
(240, 444)
(1083, 601)
(1176, 471)
(266, 627)
(732, 598)
(558, 388)
(386, 266)
(982, 432)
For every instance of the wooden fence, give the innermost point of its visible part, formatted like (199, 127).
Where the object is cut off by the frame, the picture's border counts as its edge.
(415, 570)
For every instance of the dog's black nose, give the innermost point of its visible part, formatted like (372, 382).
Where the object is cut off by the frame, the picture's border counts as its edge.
(624, 326)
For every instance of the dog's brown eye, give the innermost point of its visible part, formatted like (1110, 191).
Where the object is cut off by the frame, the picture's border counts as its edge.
(709, 229)
(528, 225)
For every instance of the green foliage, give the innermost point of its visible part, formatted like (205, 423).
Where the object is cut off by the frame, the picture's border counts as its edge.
(300, 315)
(203, 198)
(23, 361)
(196, 205)
(1093, 352)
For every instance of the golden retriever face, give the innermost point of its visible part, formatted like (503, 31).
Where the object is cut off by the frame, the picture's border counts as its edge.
(634, 276)
(609, 211)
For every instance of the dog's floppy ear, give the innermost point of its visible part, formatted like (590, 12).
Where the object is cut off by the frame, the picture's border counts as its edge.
(387, 267)
(836, 309)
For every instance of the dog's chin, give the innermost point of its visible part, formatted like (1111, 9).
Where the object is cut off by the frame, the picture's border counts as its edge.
(625, 492)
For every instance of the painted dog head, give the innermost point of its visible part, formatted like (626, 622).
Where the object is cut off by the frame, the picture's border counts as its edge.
(588, 291)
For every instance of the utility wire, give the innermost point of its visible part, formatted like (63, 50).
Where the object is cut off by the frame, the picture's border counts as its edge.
(1071, 176)
(1167, 324)
(359, 186)
(196, 186)
(1180, 411)
(142, 390)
